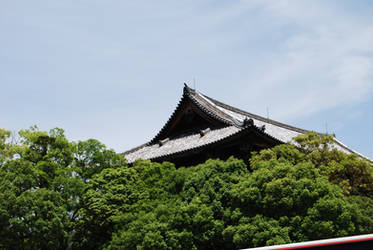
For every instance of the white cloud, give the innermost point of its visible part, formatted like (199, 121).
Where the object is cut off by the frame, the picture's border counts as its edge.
(325, 63)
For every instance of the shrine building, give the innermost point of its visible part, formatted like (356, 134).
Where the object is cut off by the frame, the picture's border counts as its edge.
(202, 127)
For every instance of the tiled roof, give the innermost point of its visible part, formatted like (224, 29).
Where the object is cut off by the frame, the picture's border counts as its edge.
(181, 143)
(233, 119)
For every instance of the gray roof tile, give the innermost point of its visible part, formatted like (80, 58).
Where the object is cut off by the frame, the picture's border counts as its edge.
(181, 143)
(232, 117)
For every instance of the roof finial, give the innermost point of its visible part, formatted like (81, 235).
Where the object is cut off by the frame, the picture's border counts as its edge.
(247, 122)
(186, 89)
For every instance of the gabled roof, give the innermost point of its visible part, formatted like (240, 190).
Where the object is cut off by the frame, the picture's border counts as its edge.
(226, 121)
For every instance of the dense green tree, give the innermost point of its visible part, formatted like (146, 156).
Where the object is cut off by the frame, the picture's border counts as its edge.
(38, 191)
(55, 194)
(43, 177)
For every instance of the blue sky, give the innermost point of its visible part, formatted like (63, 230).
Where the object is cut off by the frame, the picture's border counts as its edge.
(114, 70)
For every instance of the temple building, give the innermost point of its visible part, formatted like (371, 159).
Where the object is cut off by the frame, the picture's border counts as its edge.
(202, 127)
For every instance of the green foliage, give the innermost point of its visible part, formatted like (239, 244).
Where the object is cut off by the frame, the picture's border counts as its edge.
(38, 191)
(55, 194)
(91, 157)
(41, 188)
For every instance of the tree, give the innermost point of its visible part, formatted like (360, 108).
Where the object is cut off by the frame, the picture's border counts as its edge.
(55, 194)
(38, 191)
(294, 193)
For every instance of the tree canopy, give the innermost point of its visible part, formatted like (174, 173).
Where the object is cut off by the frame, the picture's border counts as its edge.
(57, 194)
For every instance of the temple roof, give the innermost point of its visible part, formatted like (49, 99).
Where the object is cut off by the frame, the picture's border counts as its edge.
(221, 122)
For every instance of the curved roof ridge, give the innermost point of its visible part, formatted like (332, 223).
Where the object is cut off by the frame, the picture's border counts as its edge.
(258, 117)
(169, 120)
(217, 114)
(163, 128)
(275, 123)
(188, 93)
(339, 143)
